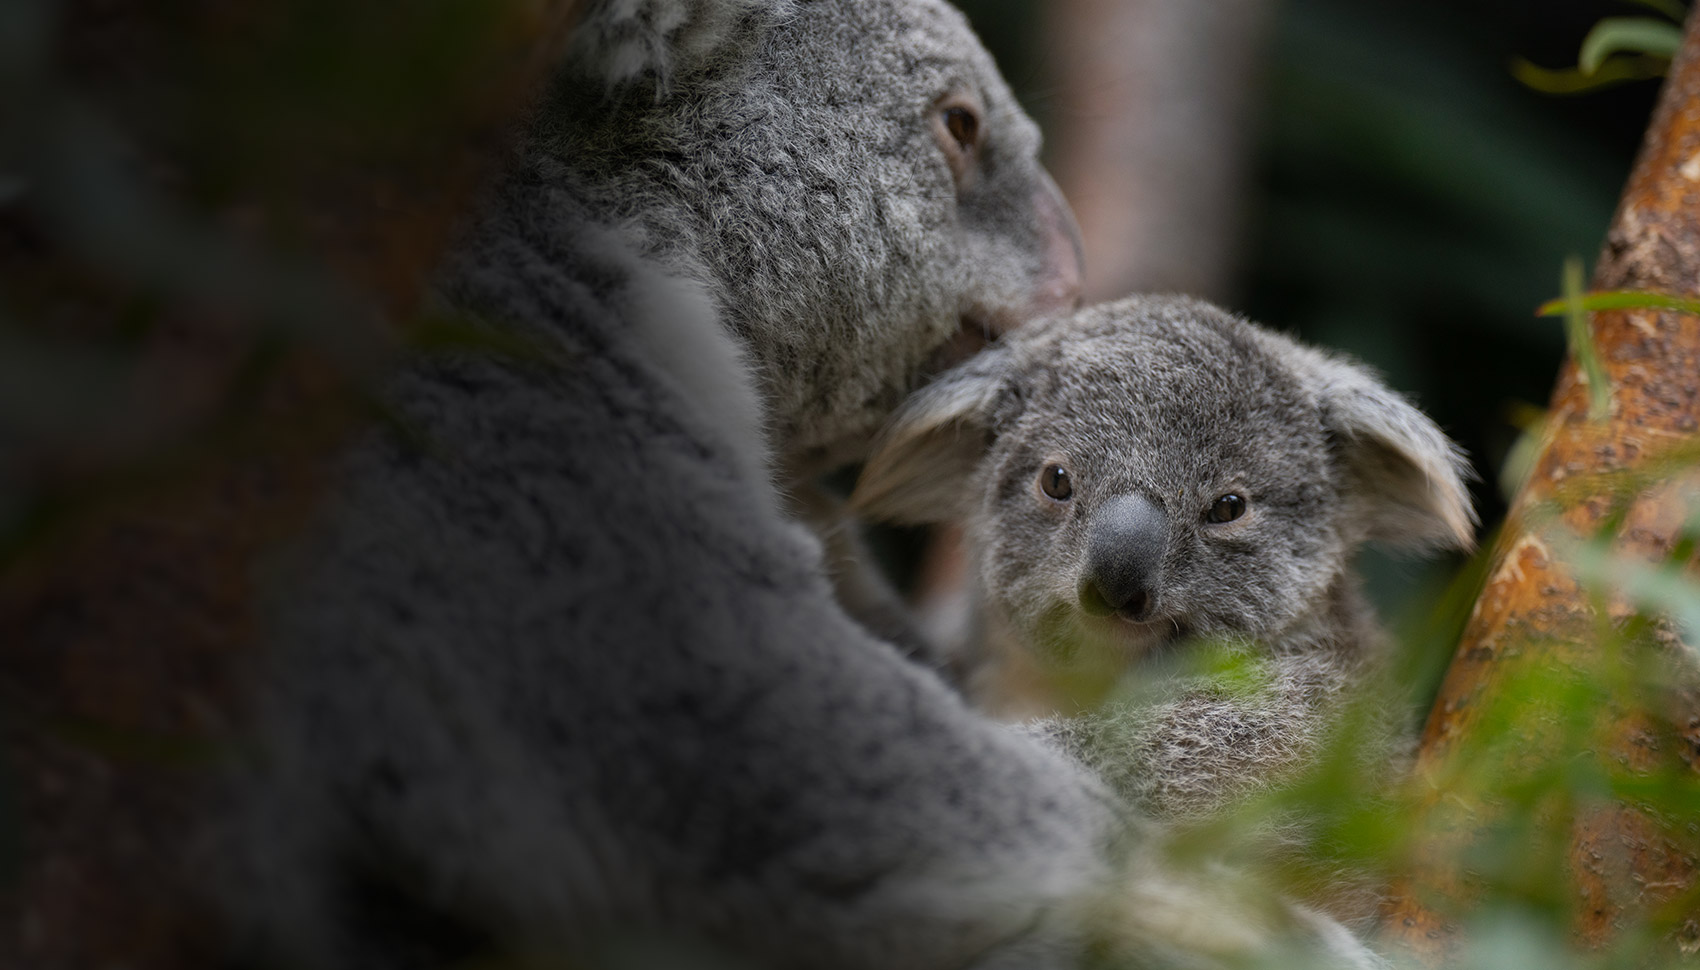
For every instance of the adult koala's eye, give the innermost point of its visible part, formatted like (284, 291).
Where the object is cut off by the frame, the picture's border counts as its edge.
(1225, 509)
(958, 131)
(964, 126)
(1053, 481)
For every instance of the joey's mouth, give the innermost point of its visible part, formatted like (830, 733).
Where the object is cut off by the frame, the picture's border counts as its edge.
(1067, 636)
(1141, 639)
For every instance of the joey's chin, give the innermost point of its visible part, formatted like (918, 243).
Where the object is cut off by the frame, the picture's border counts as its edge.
(1072, 636)
(1136, 639)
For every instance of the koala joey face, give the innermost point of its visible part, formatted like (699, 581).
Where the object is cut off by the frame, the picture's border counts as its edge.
(1155, 468)
(1152, 479)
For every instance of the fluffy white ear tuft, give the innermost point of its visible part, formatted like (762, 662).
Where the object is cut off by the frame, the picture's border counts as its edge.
(621, 42)
(1405, 478)
(923, 463)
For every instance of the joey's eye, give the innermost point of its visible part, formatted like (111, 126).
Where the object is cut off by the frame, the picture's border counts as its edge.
(963, 125)
(1053, 481)
(1225, 509)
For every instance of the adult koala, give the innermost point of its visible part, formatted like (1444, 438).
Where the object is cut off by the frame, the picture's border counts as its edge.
(558, 667)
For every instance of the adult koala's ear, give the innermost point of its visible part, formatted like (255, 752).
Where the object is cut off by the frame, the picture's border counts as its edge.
(620, 42)
(923, 463)
(1404, 479)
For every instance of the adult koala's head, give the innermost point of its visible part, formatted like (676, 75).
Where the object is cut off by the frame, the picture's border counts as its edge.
(852, 180)
(1157, 467)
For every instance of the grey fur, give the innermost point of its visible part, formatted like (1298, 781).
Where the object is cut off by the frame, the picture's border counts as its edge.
(1178, 403)
(559, 666)
(798, 178)
(559, 669)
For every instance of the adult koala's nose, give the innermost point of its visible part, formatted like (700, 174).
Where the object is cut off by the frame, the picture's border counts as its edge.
(1125, 541)
(1057, 288)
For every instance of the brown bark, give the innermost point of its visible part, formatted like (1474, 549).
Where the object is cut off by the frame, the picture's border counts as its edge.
(1625, 867)
(126, 606)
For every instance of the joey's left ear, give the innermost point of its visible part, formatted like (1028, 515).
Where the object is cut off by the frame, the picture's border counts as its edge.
(923, 463)
(1404, 478)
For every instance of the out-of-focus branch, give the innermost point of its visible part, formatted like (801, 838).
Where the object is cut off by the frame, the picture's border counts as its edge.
(1151, 127)
(1616, 477)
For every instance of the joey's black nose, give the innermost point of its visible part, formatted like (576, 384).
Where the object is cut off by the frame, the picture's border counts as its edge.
(1125, 542)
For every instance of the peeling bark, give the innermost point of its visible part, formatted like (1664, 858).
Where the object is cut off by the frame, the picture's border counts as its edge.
(1626, 867)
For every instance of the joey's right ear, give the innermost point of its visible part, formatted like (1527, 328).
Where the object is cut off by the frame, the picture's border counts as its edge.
(923, 463)
(1405, 480)
(619, 42)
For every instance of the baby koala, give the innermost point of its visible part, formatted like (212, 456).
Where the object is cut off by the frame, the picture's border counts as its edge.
(1155, 472)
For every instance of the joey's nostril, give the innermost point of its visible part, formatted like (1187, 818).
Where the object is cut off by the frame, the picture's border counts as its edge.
(1137, 607)
(1092, 601)
(1097, 600)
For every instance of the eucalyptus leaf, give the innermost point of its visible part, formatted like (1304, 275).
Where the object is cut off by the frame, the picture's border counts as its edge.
(1657, 588)
(1621, 69)
(1621, 300)
(1637, 35)
(1580, 336)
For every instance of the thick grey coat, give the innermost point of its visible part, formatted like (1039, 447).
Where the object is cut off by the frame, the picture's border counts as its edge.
(1155, 410)
(559, 671)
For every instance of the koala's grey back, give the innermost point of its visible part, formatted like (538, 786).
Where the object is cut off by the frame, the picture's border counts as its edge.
(557, 665)
(558, 671)
(657, 734)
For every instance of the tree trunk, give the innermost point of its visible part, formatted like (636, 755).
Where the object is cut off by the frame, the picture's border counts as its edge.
(1624, 867)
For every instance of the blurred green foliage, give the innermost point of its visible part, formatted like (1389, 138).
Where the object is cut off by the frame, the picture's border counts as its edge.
(1494, 822)
(1616, 50)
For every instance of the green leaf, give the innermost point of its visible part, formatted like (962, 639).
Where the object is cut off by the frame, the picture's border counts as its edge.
(1581, 339)
(1521, 457)
(1617, 70)
(1659, 588)
(1621, 300)
(1639, 35)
